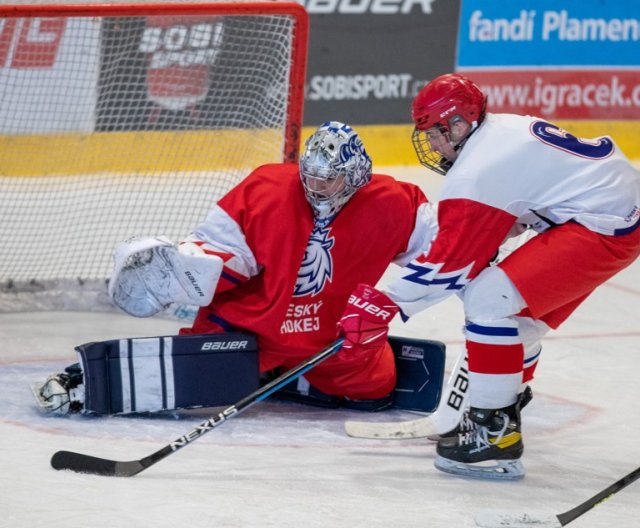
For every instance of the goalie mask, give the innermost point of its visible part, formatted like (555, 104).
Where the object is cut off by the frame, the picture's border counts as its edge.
(445, 112)
(333, 167)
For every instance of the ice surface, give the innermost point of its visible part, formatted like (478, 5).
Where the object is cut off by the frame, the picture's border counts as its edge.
(286, 465)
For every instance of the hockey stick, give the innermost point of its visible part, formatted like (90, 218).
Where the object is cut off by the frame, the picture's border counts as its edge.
(493, 519)
(444, 419)
(101, 466)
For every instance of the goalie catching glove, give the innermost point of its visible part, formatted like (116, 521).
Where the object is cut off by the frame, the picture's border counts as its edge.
(150, 274)
(365, 322)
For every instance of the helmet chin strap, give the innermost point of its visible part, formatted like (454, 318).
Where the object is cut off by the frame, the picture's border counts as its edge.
(458, 146)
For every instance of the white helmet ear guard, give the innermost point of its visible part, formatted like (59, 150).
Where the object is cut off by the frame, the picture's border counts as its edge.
(333, 153)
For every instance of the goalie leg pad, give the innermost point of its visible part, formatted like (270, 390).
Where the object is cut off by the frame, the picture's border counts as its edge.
(419, 373)
(164, 373)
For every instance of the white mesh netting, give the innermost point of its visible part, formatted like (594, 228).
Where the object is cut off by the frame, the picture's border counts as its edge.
(112, 126)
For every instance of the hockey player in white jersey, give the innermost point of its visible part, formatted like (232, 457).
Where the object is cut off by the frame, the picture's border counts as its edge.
(506, 174)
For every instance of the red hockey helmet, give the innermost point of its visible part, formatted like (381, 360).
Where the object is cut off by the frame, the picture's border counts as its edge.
(447, 100)
(446, 96)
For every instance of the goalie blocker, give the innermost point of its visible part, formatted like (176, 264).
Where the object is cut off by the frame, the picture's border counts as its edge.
(141, 375)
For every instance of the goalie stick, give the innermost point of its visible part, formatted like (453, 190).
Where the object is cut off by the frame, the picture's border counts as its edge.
(101, 466)
(494, 519)
(446, 417)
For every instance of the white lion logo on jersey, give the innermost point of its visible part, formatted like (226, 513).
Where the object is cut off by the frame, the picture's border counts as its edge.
(317, 264)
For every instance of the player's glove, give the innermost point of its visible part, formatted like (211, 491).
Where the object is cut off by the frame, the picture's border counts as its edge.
(365, 322)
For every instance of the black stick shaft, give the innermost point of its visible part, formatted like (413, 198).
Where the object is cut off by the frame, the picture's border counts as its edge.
(100, 466)
(568, 516)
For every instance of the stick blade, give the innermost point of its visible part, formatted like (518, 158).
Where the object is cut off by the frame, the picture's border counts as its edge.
(499, 519)
(420, 428)
(68, 460)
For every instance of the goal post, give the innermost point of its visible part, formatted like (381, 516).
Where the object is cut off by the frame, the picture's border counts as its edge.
(132, 119)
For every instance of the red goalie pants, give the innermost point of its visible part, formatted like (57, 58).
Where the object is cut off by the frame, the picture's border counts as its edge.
(363, 377)
(558, 269)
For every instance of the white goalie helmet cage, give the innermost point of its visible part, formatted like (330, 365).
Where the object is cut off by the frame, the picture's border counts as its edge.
(333, 167)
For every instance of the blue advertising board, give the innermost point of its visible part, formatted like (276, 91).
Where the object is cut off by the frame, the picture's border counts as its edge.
(571, 59)
(549, 33)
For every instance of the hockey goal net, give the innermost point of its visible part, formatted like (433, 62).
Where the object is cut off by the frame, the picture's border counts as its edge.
(121, 120)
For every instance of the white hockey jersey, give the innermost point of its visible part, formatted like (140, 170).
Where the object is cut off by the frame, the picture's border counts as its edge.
(518, 170)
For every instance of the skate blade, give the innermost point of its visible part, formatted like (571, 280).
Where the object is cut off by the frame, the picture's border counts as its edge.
(489, 470)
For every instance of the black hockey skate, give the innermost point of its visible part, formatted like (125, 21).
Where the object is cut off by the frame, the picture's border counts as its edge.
(467, 425)
(490, 451)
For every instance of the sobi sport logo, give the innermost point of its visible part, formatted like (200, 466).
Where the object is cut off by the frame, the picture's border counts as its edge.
(180, 53)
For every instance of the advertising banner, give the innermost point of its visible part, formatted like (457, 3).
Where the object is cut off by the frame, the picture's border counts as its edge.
(564, 93)
(368, 58)
(168, 70)
(40, 96)
(577, 59)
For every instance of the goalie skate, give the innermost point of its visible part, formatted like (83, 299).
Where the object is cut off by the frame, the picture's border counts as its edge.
(60, 394)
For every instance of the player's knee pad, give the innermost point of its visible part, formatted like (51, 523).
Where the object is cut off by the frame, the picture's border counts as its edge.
(491, 296)
(163, 373)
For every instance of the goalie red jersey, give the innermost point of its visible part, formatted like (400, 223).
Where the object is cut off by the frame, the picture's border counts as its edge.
(275, 262)
(287, 276)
